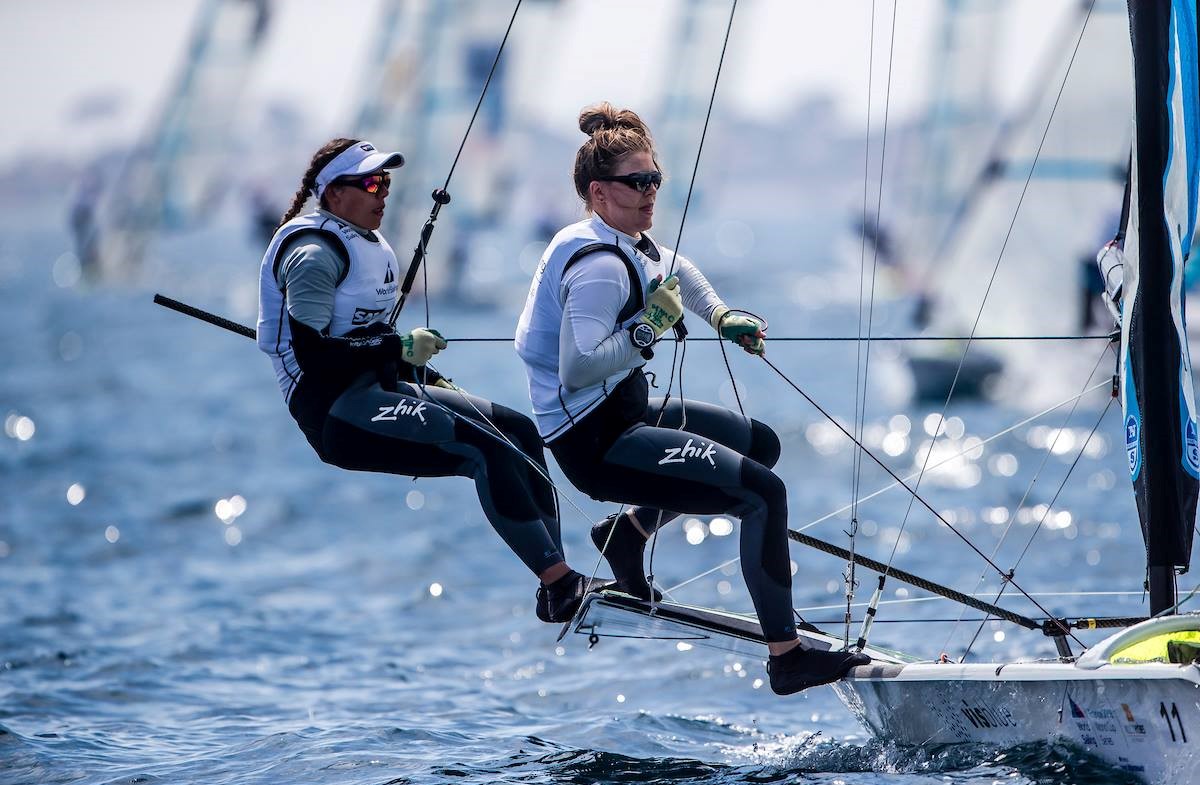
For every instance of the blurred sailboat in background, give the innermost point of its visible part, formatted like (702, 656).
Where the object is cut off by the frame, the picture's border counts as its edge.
(1056, 162)
(177, 174)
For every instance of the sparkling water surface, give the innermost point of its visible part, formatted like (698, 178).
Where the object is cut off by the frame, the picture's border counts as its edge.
(188, 595)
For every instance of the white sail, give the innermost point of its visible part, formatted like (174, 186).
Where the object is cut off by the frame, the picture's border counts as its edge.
(1060, 173)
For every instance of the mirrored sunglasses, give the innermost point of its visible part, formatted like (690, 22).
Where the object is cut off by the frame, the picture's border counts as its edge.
(639, 180)
(370, 183)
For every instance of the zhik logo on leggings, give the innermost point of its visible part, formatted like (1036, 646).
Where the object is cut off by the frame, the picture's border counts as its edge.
(390, 413)
(688, 450)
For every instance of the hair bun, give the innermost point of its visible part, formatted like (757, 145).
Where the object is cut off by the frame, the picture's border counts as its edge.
(604, 116)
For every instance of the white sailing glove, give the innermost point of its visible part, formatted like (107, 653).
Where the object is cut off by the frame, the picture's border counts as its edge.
(420, 345)
(664, 305)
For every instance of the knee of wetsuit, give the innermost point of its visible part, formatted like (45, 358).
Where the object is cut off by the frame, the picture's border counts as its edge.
(519, 427)
(776, 558)
(765, 484)
(470, 433)
(764, 444)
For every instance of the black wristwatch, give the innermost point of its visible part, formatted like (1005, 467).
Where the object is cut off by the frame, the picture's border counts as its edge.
(641, 335)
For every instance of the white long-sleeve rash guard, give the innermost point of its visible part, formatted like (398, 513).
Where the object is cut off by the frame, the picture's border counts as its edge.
(590, 347)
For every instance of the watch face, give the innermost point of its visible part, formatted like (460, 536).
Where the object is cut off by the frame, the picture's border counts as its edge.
(642, 335)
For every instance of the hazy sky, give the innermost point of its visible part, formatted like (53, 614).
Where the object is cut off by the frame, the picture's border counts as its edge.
(586, 50)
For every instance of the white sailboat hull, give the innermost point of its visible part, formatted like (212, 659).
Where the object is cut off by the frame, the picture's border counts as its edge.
(1144, 719)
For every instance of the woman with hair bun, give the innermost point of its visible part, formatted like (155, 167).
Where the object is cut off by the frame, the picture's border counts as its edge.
(361, 392)
(597, 305)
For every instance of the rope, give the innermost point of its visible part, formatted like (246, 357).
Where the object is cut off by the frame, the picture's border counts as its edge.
(961, 453)
(1013, 570)
(855, 474)
(848, 338)
(680, 330)
(861, 360)
(1101, 623)
(912, 491)
(703, 135)
(987, 292)
(498, 434)
(913, 600)
(1029, 489)
(919, 582)
(891, 485)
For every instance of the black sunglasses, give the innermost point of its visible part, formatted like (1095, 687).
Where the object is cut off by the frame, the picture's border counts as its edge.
(639, 180)
(370, 183)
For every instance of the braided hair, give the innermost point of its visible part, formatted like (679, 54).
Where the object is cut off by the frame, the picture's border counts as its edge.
(320, 159)
(612, 134)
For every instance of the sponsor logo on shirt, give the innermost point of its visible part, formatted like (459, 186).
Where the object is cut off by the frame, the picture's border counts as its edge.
(389, 284)
(364, 316)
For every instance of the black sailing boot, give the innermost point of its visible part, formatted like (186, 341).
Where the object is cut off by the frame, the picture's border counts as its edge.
(623, 551)
(558, 602)
(800, 668)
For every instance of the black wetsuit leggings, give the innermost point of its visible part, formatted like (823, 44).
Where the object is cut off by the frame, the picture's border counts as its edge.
(415, 432)
(719, 463)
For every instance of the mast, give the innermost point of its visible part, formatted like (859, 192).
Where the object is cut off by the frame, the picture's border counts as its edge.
(1156, 393)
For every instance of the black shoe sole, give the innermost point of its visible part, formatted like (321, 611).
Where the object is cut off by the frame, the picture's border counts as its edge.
(792, 687)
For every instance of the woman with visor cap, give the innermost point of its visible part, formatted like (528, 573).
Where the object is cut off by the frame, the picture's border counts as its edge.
(597, 303)
(361, 392)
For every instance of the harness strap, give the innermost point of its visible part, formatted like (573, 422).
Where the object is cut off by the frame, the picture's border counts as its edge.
(636, 302)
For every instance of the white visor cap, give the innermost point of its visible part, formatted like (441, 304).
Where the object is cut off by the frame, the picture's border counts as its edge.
(358, 158)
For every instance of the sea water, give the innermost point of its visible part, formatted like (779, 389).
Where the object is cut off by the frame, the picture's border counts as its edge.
(188, 595)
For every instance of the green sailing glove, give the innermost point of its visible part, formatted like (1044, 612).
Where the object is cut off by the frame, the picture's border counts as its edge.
(664, 305)
(742, 330)
(420, 345)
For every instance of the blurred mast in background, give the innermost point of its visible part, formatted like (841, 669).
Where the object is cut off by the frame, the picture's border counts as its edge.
(1079, 139)
(962, 110)
(176, 176)
(1027, 197)
(692, 52)
(427, 66)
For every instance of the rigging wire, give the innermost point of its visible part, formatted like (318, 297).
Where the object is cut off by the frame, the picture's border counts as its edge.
(961, 453)
(848, 577)
(1041, 521)
(703, 135)
(914, 600)
(846, 338)
(894, 484)
(680, 330)
(441, 196)
(995, 268)
(499, 435)
(987, 291)
(1029, 488)
(860, 401)
(914, 495)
